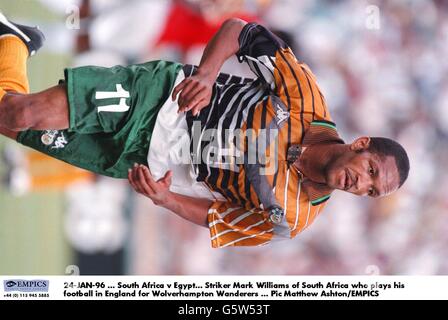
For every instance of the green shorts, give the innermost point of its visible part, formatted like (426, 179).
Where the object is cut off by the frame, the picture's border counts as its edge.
(112, 116)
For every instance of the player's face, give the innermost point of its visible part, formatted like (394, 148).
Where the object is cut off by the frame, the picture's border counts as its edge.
(363, 173)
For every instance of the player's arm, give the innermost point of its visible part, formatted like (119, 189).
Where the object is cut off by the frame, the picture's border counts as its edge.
(195, 91)
(229, 224)
(192, 209)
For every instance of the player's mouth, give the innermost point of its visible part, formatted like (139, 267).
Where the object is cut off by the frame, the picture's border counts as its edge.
(348, 181)
(343, 181)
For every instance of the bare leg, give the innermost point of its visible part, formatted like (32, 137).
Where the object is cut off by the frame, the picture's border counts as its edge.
(38, 111)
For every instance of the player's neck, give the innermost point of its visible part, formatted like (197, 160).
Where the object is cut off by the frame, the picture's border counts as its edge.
(314, 160)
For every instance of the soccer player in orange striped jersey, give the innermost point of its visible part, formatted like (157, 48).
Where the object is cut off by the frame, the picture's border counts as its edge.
(263, 154)
(311, 160)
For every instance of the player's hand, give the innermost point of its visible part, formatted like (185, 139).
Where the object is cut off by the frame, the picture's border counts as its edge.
(141, 180)
(195, 92)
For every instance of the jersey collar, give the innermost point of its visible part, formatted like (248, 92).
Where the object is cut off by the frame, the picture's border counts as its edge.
(319, 132)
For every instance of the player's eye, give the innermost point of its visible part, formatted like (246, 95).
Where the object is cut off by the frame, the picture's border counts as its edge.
(371, 171)
(371, 192)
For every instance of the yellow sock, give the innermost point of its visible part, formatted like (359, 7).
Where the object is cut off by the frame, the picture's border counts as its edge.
(13, 57)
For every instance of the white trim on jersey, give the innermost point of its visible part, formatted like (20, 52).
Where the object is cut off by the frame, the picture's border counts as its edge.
(5, 21)
(248, 237)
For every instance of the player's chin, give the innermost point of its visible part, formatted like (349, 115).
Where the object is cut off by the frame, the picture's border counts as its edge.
(333, 179)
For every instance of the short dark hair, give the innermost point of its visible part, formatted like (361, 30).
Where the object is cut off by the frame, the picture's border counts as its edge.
(388, 147)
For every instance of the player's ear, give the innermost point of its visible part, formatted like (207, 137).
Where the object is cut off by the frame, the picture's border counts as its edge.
(360, 144)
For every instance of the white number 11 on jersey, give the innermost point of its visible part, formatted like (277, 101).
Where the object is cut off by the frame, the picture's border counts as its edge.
(119, 94)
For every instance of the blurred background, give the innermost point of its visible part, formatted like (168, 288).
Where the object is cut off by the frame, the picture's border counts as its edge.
(380, 65)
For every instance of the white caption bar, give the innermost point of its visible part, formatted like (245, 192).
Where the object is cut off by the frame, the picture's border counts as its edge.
(223, 287)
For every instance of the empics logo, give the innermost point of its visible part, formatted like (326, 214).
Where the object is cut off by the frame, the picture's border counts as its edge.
(26, 285)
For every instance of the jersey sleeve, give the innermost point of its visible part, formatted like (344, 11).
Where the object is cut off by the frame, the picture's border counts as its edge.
(274, 63)
(231, 225)
(260, 49)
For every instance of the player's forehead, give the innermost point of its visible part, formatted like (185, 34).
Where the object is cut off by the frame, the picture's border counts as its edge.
(388, 178)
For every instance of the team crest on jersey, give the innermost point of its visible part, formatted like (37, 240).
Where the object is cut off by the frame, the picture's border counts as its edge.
(280, 115)
(54, 138)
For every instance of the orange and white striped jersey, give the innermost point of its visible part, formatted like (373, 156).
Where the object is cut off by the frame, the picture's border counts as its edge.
(281, 108)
